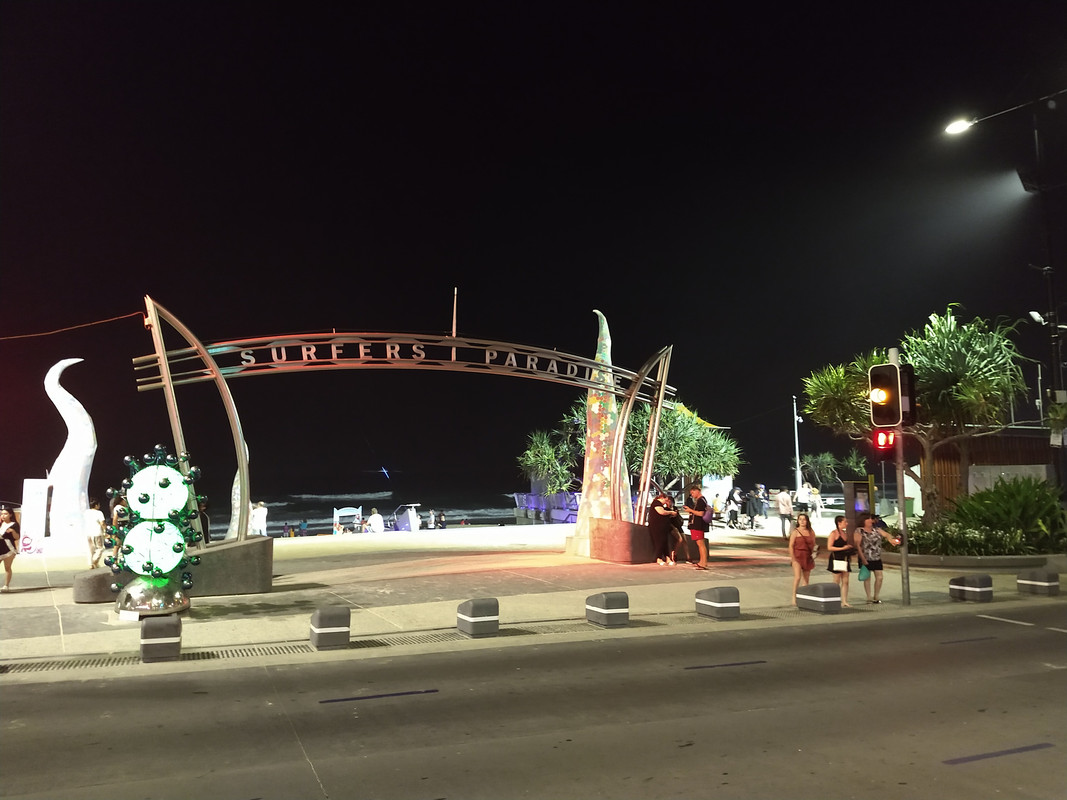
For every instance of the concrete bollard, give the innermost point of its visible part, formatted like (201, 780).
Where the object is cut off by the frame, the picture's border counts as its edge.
(822, 597)
(161, 638)
(608, 609)
(720, 602)
(331, 627)
(1039, 581)
(94, 586)
(478, 617)
(977, 588)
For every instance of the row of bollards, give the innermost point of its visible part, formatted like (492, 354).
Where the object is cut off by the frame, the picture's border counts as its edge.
(331, 626)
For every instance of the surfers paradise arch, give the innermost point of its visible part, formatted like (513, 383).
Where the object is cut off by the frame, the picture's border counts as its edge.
(612, 392)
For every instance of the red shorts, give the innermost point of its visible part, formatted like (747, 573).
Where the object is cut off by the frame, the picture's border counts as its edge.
(696, 535)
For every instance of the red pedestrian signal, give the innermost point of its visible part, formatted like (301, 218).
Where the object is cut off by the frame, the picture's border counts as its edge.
(884, 440)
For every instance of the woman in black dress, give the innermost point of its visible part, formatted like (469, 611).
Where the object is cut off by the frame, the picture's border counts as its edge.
(841, 549)
(9, 543)
(660, 516)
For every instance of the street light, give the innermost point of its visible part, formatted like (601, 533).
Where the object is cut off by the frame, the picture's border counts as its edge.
(1033, 183)
(961, 125)
(797, 419)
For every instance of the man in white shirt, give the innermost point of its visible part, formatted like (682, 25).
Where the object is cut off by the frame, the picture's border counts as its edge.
(94, 533)
(258, 523)
(375, 522)
(785, 511)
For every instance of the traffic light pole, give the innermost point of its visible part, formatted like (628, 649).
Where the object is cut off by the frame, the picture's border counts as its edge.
(902, 517)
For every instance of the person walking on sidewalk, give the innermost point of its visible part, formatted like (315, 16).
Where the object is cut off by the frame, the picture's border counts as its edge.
(697, 526)
(94, 532)
(841, 550)
(785, 511)
(868, 542)
(9, 543)
(802, 550)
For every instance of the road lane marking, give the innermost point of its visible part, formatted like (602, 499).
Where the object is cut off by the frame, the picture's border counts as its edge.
(731, 664)
(964, 641)
(997, 754)
(378, 696)
(1058, 630)
(1002, 619)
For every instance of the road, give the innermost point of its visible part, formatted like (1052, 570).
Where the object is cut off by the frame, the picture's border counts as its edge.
(952, 705)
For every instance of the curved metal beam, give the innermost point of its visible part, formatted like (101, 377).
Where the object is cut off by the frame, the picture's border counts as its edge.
(663, 359)
(155, 312)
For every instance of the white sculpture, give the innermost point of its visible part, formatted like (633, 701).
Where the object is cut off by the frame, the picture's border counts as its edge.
(69, 477)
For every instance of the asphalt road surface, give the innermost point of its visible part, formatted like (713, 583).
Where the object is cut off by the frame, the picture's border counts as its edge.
(950, 706)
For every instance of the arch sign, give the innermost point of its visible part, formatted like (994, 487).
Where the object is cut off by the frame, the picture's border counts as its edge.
(612, 391)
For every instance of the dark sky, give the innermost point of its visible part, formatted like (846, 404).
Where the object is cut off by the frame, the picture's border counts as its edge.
(768, 190)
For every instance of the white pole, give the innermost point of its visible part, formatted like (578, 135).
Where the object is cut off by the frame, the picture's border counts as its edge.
(455, 300)
(796, 441)
(902, 517)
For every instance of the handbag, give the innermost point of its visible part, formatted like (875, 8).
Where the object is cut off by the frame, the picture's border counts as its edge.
(865, 574)
(840, 564)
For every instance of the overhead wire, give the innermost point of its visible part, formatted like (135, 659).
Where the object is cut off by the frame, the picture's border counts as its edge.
(72, 327)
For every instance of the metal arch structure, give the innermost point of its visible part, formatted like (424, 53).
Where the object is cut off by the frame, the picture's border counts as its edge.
(221, 362)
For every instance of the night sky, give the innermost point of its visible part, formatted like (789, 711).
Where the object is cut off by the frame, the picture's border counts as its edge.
(768, 190)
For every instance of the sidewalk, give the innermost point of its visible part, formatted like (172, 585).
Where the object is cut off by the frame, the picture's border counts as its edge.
(403, 583)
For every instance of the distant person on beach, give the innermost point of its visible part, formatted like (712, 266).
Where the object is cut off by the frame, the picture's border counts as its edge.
(303, 527)
(205, 520)
(803, 499)
(375, 522)
(258, 520)
(9, 543)
(94, 532)
(441, 521)
(431, 522)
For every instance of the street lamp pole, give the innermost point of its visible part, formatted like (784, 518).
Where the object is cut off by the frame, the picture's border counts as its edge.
(1038, 184)
(796, 442)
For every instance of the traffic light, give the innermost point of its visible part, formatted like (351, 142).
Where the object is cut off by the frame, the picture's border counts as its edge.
(907, 394)
(884, 394)
(884, 440)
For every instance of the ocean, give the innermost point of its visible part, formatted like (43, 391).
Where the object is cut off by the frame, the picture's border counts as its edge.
(477, 508)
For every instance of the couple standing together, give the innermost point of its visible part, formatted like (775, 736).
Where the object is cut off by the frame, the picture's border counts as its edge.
(666, 528)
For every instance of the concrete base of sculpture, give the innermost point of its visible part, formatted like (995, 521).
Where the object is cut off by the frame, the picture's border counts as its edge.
(94, 586)
(620, 542)
(245, 567)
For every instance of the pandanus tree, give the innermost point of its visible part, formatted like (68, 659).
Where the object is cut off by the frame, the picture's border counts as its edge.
(966, 376)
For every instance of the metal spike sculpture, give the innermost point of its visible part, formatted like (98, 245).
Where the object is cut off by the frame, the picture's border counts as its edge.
(152, 535)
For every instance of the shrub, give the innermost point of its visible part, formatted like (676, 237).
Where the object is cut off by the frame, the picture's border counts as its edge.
(1019, 517)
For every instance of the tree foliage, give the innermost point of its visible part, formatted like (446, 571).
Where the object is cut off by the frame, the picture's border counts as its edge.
(686, 447)
(966, 375)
